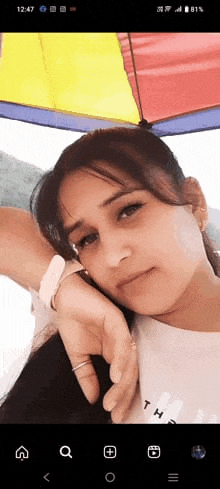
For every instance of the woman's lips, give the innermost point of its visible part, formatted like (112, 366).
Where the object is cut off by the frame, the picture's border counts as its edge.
(132, 278)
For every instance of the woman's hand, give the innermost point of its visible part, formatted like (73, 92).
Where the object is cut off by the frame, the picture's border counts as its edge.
(90, 324)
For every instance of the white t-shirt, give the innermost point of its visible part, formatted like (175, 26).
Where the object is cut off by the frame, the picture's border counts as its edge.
(179, 375)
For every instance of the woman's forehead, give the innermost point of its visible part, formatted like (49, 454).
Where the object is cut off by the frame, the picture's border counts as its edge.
(86, 189)
(91, 185)
(149, 177)
(84, 177)
(110, 171)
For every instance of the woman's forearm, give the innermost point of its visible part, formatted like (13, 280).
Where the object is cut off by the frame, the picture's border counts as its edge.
(24, 253)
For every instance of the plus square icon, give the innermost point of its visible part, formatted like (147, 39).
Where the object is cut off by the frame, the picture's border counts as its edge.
(110, 451)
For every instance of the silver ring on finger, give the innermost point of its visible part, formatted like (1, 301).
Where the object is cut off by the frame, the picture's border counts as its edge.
(81, 365)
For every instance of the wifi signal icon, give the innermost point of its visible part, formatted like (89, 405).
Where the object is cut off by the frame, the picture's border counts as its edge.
(167, 9)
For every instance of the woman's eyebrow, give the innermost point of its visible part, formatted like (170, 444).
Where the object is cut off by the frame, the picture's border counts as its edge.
(72, 227)
(119, 194)
(115, 196)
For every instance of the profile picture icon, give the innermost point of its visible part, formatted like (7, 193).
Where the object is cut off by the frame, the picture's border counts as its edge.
(198, 452)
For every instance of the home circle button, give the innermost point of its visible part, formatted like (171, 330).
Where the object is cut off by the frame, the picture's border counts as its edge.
(110, 477)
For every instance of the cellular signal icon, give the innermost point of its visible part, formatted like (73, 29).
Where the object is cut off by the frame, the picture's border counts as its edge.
(179, 9)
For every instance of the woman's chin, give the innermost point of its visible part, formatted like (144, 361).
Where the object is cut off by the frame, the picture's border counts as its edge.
(140, 307)
(147, 306)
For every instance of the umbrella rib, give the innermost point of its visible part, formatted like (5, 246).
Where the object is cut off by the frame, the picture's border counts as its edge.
(135, 74)
(143, 122)
(47, 71)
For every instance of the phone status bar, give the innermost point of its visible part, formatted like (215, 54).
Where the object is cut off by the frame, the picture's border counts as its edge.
(45, 8)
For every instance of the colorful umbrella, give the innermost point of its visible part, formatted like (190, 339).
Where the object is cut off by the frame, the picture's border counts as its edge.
(80, 81)
(167, 82)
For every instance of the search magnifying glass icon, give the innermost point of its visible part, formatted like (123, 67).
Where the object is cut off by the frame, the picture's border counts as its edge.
(65, 451)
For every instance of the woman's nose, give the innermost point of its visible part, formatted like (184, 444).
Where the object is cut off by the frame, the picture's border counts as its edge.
(115, 249)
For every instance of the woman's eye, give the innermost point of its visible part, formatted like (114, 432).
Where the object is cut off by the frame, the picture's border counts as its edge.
(129, 210)
(87, 240)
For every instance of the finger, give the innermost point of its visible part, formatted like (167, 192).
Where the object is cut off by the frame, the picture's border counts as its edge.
(122, 394)
(121, 411)
(75, 344)
(121, 402)
(125, 393)
(86, 376)
(118, 343)
(124, 351)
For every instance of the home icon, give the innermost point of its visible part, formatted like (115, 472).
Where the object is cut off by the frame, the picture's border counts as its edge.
(22, 453)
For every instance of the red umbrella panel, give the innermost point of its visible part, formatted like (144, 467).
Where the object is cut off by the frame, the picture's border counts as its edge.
(175, 77)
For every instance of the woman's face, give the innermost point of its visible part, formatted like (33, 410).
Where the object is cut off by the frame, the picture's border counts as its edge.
(140, 251)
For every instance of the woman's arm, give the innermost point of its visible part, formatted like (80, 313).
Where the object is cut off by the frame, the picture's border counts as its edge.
(24, 253)
(88, 322)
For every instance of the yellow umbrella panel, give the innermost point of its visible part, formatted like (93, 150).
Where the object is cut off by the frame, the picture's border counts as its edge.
(65, 74)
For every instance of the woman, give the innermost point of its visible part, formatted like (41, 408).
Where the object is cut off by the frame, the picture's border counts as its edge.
(118, 202)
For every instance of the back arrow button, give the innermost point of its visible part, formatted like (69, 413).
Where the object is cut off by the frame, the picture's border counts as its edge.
(46, 477)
